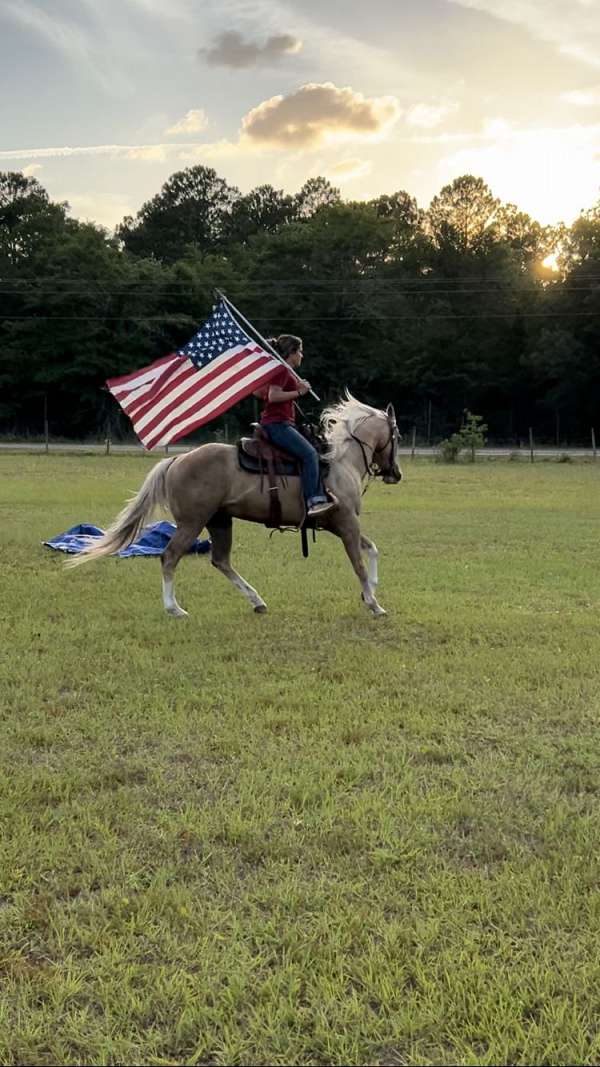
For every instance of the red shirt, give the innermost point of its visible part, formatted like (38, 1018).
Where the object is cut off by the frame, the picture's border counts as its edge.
(282, 410)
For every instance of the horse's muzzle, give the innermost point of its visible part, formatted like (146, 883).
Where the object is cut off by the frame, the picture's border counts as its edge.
(393, 476)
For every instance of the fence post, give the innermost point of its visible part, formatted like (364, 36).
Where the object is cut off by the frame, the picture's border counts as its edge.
(531, 444)
(414, 438)
(429, 424)
(594, 442)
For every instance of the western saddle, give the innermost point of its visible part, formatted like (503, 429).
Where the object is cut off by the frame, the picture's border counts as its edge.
(258, 455)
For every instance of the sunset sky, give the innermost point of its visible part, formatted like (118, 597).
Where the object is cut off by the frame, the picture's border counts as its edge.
(102, 101)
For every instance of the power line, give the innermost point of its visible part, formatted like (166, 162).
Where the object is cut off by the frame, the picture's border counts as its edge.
(108, 293)
(311, 318)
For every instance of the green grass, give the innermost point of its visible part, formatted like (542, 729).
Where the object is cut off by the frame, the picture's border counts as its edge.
(310, 837)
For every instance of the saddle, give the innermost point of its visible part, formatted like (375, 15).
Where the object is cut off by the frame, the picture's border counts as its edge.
(258, 455)
(256, 452)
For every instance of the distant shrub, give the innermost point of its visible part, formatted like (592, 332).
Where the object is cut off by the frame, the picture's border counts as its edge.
(471, 436)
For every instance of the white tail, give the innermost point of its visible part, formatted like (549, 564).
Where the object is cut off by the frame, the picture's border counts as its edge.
(130, 521)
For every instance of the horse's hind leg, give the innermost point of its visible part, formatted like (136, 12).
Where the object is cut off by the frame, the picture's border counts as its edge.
(220, 530)
(181, 540)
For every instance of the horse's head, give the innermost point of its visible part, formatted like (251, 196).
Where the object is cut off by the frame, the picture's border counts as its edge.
(385, 448)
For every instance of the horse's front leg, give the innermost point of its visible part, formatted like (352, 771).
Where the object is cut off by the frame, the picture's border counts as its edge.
(372, 556)
(353, 541)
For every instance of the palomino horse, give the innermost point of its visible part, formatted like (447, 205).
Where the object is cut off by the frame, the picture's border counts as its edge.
(207, 488)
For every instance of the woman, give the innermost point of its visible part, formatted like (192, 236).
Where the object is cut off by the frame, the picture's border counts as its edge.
(278, 418)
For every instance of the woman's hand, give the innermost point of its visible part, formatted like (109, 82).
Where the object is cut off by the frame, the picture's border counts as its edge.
(303, 387)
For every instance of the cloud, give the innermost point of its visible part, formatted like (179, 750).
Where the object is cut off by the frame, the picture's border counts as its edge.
(216, 150)
(430, 115)
(317, 113)
(31, 169)
(192, 122)
(582, 97)
(312, 116)
(79, 38)
(149, 152)
(347, 169)
(573, 27)
(63, 35)
(231, 50)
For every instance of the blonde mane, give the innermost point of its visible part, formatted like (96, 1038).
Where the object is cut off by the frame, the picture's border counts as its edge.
(339, 422)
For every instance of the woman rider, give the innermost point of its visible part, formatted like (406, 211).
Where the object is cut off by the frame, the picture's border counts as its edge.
(278, 418)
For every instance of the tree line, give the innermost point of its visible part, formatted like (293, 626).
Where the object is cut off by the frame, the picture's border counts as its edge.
(437, 311)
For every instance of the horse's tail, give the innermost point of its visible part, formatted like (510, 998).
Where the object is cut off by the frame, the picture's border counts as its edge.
(130, 521)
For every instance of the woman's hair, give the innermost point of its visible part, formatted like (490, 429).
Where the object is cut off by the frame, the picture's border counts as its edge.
(285, 344)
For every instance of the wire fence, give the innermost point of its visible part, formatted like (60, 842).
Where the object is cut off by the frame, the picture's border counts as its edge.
(530, 452)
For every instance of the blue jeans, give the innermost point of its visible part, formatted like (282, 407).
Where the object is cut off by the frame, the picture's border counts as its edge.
(285, 436)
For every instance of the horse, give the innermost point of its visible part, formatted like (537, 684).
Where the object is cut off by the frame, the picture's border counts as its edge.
(206, 488)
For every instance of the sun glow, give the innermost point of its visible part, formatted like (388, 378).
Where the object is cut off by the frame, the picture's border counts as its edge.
(551, 261)
(552, 174)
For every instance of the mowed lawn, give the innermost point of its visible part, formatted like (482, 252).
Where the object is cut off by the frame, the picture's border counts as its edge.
(309, 837)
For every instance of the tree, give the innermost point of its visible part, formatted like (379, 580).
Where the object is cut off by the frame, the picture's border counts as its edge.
(192, 208)
(28, 220)
(440, 311)
(580, 246)
(522, 234)
(471, 435)
(262, 210)
(408, 243)
(460, 217)
(315, 194)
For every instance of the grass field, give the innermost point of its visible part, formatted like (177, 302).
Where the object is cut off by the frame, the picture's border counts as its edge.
(310, 837)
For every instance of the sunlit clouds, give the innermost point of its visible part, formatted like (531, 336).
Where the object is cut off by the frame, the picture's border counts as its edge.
(430, 115)
(317, 113)
(347, 169)
(194, 121)
(397, 97)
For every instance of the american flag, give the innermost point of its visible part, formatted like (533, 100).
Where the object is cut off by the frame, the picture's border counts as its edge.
(173, 396)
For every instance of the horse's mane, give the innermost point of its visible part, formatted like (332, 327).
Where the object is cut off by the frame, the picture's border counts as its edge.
(339, 422)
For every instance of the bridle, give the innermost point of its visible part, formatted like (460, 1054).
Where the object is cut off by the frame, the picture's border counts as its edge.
(380, 472)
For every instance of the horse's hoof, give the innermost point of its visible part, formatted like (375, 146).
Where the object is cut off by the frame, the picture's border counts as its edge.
(260, 609)
(177, 613)
(379, 612)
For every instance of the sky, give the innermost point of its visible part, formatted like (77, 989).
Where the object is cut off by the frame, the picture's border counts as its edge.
(103, 101)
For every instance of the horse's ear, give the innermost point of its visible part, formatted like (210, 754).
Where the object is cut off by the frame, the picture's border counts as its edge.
(391, 414)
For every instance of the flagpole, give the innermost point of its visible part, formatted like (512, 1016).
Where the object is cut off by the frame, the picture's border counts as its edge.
(262, 340)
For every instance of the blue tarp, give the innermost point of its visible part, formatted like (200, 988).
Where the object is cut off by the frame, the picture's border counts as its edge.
(153, 541)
